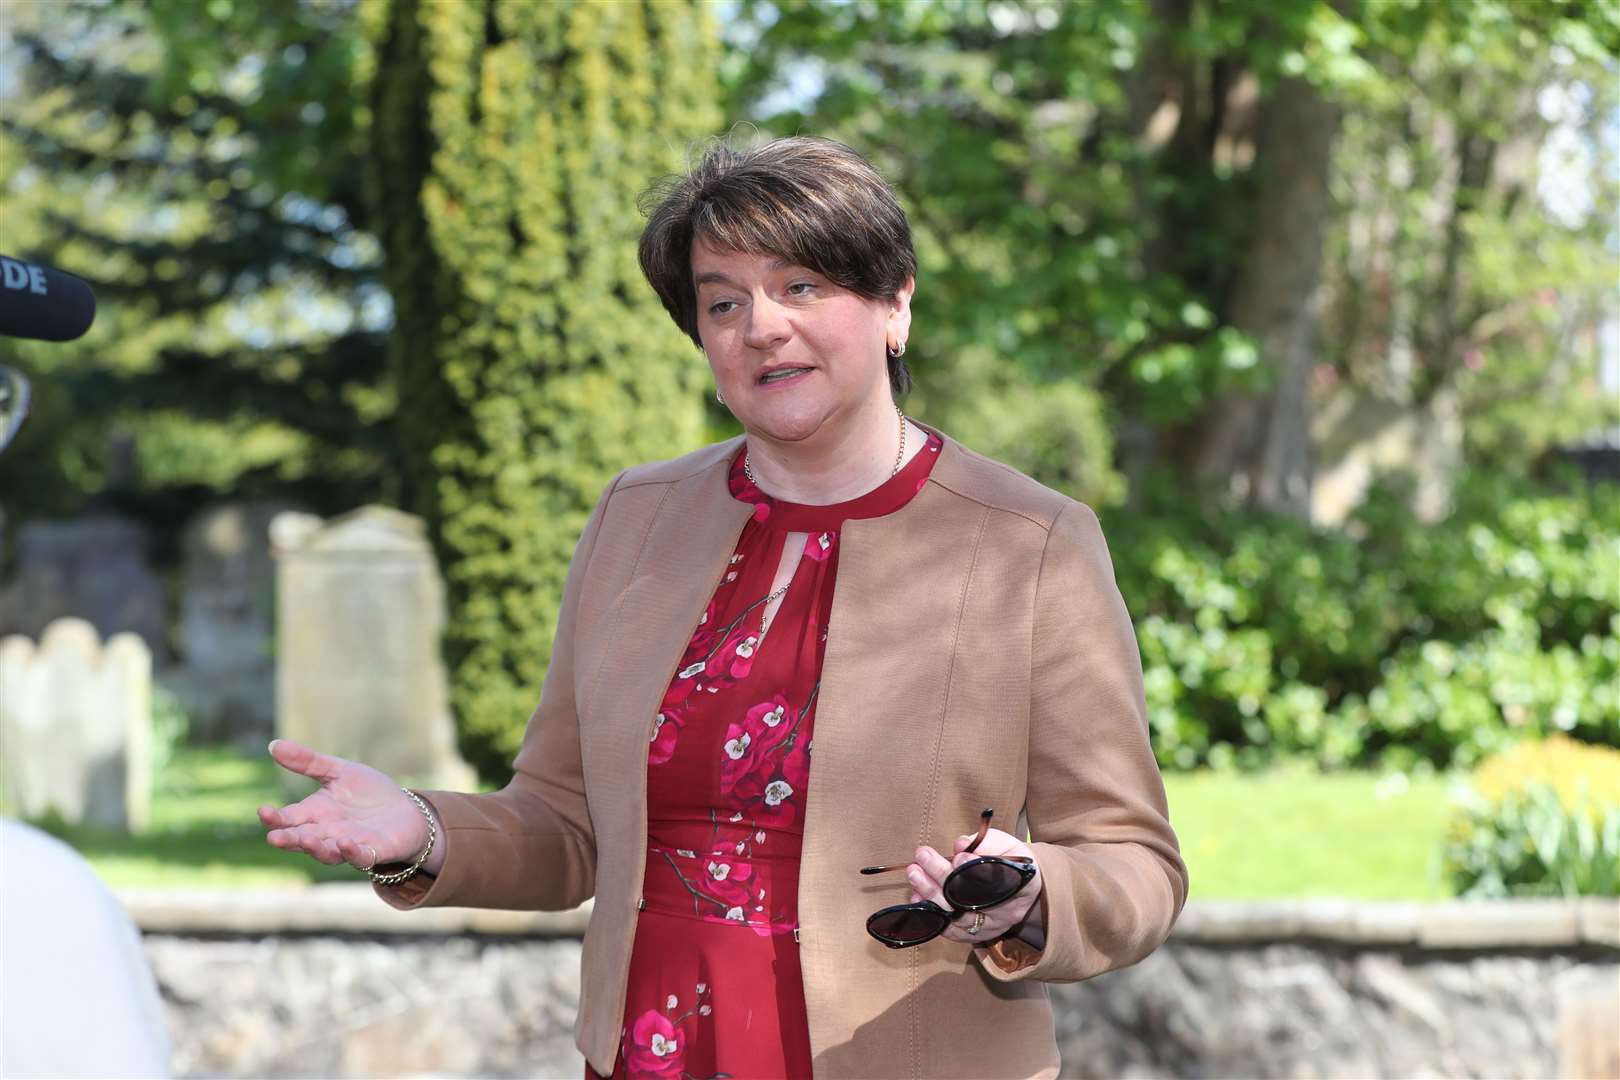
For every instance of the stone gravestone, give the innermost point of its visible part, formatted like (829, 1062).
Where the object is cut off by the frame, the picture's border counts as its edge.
(94, 568)
(75, 726)
(359, 614)
(226, 679)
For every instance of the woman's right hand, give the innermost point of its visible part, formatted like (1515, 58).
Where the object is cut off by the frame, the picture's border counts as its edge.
(359, 815)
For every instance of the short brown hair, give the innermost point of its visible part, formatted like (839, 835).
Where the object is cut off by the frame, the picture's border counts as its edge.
(814, 202)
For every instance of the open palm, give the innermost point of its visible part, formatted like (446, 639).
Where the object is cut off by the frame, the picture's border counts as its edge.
(358, 816)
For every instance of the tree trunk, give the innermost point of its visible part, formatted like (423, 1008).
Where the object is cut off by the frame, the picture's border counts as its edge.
(1259, 444)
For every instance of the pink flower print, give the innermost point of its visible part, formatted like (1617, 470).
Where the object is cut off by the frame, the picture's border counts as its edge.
(742, 752)
(655, 1048)
(666, 729)
(738, 885)
(748, 763)
(768, 716)
(778, 806)
(677, 693)
(744, 661)
(721, 660)
(819, 547)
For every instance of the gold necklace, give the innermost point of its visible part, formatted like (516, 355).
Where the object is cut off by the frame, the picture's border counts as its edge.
(898, 457)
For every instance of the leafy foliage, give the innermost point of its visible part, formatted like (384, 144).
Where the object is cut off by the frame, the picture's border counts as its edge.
(1084, 180)
(1416, 643)
(198, 164)
(1540, 819)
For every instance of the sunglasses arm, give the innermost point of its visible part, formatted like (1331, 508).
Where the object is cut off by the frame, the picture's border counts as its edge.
(901, 866)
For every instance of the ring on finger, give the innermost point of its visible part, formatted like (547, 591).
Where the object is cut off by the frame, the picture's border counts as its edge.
(373, 861)
(978, 923)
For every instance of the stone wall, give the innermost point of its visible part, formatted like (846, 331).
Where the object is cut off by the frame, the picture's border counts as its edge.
(329, 982)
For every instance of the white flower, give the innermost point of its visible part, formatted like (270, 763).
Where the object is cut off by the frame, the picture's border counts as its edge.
(760, 836)
(735, 559)
(719, 871)
(741, 847)
(704, 1010)
(692, 669)
(688, 854)
(701, 988)
(773, 717)
(825, 542)
(662, 1047)
(762, 894)
(745, 648)
(731, 575)
(736, 914)
(658, 722)
(672, 1002)
(737, 816)
(776, 791)
(737, 747)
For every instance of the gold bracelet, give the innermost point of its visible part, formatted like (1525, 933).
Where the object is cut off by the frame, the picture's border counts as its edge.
(433, 832)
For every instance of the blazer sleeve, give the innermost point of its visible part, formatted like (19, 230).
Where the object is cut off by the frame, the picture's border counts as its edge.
(529, 846)
(1114, 880)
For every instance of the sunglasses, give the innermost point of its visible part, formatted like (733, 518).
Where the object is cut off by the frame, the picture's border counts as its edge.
(974, 886)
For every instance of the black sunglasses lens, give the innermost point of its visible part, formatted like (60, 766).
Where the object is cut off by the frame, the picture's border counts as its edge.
(907, 924)
(981, 884)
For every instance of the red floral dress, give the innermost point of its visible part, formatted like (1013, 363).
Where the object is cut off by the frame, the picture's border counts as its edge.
(714, 986)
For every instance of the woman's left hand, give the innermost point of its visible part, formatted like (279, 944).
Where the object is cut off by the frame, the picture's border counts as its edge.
(928, 871)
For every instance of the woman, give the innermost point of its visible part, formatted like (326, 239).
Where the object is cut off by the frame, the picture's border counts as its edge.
(832, 643)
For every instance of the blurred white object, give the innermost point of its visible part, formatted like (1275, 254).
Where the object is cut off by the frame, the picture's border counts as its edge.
(77, 997)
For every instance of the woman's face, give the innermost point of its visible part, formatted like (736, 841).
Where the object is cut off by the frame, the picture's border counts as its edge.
(793, 353)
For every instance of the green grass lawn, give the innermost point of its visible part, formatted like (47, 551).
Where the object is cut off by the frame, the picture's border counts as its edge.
(1292, 832)
(1288, 832)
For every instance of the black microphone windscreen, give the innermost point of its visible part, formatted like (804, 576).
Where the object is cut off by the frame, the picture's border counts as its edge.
(42, 303)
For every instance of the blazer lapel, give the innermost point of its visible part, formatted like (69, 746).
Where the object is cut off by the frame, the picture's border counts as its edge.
(688, 543)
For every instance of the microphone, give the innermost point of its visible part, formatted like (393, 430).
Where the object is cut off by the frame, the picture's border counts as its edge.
(41, 303)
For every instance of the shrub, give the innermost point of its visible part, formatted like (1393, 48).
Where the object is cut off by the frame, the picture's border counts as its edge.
(1539, 819)
(1391, 640)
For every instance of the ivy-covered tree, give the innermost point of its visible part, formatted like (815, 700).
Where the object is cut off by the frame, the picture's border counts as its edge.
(511, 142)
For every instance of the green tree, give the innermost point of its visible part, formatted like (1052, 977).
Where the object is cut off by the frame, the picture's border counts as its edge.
(1134, 204)
(511, 142)
(1470, 262)
(199, 165)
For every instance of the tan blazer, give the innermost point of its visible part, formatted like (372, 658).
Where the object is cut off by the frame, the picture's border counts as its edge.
(978, 655)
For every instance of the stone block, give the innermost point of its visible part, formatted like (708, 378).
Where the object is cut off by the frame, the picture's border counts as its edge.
(1487, 924)
(360, 612)
(1600, 921)
(226, 676)
(75, 726)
